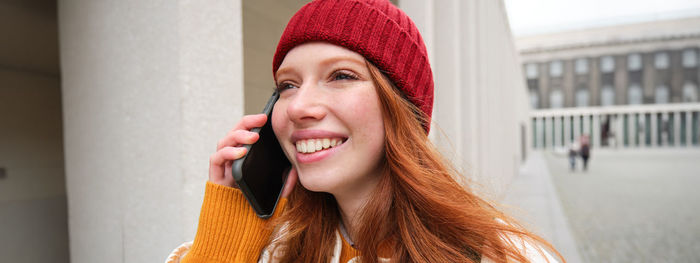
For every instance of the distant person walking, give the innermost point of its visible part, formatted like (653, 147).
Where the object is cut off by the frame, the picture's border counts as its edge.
(585, 151)
(573, 152)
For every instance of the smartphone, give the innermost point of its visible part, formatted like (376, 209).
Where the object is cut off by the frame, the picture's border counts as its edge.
(262, 172)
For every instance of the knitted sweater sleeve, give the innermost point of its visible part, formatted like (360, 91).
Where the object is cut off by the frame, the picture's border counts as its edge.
(229, 230)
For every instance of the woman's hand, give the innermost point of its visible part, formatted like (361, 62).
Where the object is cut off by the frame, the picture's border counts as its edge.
(231, 148)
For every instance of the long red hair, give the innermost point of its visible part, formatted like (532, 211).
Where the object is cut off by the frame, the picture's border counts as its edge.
(418, 209)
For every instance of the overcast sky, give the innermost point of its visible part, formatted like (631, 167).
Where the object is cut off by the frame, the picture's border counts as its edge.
(529, 17)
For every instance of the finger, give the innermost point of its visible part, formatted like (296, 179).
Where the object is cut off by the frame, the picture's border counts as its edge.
(251, 121)
(292, 178)
(225, 154)
(236, 138)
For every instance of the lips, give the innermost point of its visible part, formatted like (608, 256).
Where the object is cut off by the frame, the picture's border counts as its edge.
(315, 145)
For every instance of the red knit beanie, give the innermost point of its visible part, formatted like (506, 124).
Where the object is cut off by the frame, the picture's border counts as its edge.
(377, 30)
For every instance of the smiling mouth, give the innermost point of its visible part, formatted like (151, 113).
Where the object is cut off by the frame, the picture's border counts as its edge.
(315, 145)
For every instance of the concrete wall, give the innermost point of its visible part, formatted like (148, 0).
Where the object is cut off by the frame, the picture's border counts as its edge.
(33, 216)
(263, 24)
(148, 89)
(481, 99)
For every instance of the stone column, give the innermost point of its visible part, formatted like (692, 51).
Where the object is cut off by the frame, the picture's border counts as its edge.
(557, 131)
(577, 127)
(632, 130)
(654, 130)
(677, 128)
(148, 89)
(620, 128)
(586, 125)
(688, 128)
(548, 139)
(642, 129)
(567, 131)
(596, 130)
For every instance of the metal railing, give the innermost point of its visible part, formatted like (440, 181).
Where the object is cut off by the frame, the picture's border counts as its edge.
(628, 126)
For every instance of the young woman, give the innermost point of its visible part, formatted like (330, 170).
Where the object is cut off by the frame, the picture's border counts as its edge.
(356, 95)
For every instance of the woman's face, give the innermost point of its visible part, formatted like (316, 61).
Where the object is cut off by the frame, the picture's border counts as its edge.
(328, 119)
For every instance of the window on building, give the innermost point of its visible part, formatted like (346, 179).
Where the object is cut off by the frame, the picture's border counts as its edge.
(690, 58)
(661, 95)
(607, 64)
(581, 66)
(556, 68)
(607, 96)
(690, 92)
(556, 99)
(634, 62)
(531, 70)
(661, 60)
(634, 94)
(534, 99)
(582, 98)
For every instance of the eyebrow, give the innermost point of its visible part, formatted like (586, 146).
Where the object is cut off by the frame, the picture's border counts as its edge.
(325, 63)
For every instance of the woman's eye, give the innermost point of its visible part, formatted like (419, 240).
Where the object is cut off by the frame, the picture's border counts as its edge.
(284, 86)
(344, 76)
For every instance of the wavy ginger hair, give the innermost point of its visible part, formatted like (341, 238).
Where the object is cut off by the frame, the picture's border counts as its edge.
(418, 210)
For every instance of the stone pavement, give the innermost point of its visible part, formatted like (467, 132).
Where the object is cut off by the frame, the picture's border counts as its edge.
(532, 199)
(633, 205)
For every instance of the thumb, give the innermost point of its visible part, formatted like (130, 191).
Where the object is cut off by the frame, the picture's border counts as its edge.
(292, 178)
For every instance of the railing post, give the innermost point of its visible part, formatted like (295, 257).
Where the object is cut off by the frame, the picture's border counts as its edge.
(654, 129)
(631, 130)
(547, 132)
(577, 127)
(688, 128)
(676, 128)
(567, 131)
(596, 131)
(619, 130)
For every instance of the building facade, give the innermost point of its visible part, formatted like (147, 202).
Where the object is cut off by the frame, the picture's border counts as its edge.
(615, 84)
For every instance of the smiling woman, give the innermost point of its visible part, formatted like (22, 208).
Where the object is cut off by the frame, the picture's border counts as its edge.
(356, 96)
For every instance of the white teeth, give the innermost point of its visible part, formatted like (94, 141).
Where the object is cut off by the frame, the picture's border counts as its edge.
(314, 145)
(310, 146)
(319, 145)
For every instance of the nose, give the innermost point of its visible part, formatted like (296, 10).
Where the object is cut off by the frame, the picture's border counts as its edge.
(307, 105)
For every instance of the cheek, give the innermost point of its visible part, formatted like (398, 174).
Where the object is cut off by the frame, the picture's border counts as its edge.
(279, 115)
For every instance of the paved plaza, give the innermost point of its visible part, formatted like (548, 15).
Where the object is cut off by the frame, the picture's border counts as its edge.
(632, 206)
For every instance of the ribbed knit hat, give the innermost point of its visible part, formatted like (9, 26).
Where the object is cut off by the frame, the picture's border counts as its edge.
(377, 30)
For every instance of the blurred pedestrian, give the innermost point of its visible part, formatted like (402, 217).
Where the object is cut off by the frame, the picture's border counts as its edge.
(573, 152)
(585, 151)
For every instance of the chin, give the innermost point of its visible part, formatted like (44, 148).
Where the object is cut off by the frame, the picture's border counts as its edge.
(317, 182)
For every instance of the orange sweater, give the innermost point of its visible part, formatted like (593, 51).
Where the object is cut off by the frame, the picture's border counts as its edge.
(229, 230)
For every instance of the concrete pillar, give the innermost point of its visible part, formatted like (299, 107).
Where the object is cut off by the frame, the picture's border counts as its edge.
(654, 129)
(567, 131)
(620, 128)
(631, 130)
(557, 132)
(586, 125)
(148, 89)
(688, 128)
(642, 129)
(577, 127)
(596, 130)
(548, 132)
(676, 129)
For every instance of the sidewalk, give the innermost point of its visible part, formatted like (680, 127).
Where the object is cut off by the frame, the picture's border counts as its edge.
(532, 199)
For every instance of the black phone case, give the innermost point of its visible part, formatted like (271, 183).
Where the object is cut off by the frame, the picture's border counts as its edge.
(255, 186)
